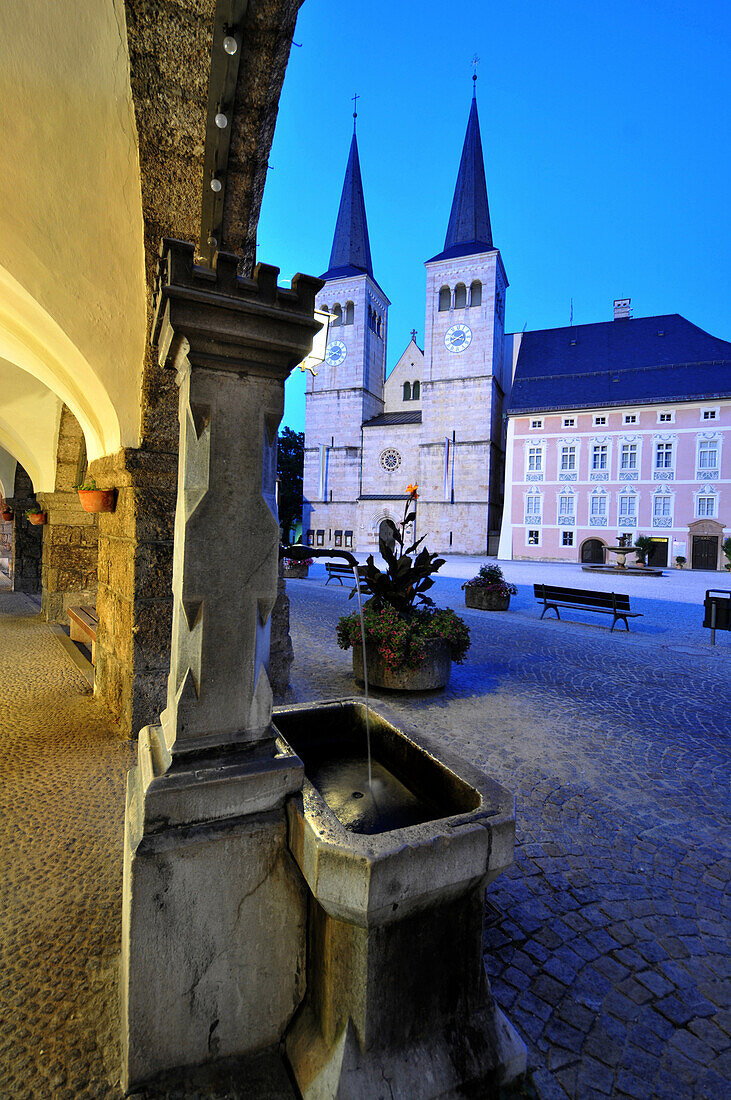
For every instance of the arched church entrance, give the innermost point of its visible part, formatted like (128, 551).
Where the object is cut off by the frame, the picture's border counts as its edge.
(592, 552)
(385, 534)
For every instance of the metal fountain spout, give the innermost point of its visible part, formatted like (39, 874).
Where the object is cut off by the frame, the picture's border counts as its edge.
(299, 552)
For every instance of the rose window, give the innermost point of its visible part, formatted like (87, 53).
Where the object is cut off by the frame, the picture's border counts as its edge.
(390, 460)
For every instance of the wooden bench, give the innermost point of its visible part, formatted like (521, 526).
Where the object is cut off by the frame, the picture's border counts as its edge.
(578, 599)
(83, 623)
(338, 570)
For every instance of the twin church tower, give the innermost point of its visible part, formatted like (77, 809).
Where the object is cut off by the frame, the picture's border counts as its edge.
(437, 420)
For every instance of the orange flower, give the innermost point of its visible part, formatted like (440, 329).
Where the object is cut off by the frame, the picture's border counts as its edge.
(411, 491)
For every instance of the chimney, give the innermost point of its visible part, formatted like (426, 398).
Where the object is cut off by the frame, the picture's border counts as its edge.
(622, 311)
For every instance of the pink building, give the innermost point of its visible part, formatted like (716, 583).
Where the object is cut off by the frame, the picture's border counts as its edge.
(617, 430)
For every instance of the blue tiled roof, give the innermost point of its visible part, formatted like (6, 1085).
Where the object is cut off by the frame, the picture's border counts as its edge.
(645, 360)
(469, 229)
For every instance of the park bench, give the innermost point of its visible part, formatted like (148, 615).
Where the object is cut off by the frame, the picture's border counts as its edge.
(578, 599)
(83, 623)
(338, 570)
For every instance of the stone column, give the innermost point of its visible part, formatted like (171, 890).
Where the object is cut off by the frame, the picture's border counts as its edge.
(69, 558)
(214, 907)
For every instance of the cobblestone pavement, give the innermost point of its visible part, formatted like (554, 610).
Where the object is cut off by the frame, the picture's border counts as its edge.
(608, 945)
(61, 818)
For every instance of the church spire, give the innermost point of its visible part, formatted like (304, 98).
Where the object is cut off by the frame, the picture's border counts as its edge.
(351, 251)
(469, 221)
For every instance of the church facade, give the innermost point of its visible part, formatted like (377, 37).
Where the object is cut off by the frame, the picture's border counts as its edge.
(437, 420)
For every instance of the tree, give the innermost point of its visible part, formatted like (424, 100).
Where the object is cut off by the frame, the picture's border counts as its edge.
(290, 466)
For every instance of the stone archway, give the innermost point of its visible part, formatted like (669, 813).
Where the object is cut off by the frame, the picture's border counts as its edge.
(705, 538)
(592, 552)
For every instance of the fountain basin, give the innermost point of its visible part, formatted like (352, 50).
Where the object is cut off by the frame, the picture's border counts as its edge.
(455, 828)
(397, 995)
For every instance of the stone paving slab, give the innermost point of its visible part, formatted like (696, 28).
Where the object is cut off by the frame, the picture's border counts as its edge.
(610, 951)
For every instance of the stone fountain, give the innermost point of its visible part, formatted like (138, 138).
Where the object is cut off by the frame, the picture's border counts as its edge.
(269, 905)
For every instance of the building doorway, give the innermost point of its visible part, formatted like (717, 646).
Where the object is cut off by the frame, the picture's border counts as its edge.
(592, 552)
(704, 554)
(385, 534)
(658, 556)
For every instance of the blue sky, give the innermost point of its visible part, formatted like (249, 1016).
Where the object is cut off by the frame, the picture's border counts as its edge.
(606, 130)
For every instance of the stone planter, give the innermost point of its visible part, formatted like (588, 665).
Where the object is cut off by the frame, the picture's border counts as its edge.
(433, 673)
(96, 500)
(484, 599)
(296, 572)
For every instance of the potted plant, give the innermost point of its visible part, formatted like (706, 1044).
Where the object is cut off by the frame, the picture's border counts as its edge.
(680, 561)
(489, 591)
(643, 546)
(296, 570)
(93, 499)
(6, 513)
(36, 515)
(410, 644)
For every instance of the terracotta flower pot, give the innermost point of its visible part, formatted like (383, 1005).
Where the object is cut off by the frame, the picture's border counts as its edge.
(431, 674)
(485, 599)
(7, 515)
(37, 519)
(96, 500)
(296, 572)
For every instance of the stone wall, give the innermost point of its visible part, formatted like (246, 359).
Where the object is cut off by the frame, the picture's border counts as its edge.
(69, 563)
(134, 600)
(27, 539)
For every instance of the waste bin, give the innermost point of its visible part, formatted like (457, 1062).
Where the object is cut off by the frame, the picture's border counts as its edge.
(717, 606)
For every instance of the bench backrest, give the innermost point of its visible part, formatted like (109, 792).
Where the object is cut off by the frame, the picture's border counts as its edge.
(342, 567)
(552, 593)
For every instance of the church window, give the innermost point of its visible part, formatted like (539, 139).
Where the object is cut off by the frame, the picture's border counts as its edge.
(349, 313)
(348, 540)
(390, 459)
(378, 325)
(460, 296)
(445, 299)
(416, 390)
(476, 293)
(407, 391)
(337, 315)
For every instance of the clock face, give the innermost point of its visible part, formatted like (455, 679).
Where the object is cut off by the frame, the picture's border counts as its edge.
(458, 338)
(336, 352)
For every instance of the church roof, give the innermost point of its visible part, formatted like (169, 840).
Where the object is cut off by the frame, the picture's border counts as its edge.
(644, 360)
(393, 418)
(351, 250)
(469, 228)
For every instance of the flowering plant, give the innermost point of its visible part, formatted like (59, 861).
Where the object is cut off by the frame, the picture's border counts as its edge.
(491, 578)
(289, 562)
(393, 623)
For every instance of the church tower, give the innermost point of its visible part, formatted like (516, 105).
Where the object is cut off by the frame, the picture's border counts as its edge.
(465, 377)
(348, 389)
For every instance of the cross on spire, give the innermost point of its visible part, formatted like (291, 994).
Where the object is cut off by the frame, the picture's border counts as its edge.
(355, 99)
(413, 334)
(475, 61)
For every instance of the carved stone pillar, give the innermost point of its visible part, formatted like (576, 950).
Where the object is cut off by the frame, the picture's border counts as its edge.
(214, 907)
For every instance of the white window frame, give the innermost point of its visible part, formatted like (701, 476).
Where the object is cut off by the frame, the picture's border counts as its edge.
(665, 520)
(629, 418)
(600, 420)
(533, 519)
(566, 519)
(709, 414)
(666, 416)
(537, 449)
(600, 473)
(706, 492)
(708, 473)
(599, 518)
(536, 425)
(539, 533)
(664, 472)
(624, 520)
(567, 545)
(569, 422)
(571, 455)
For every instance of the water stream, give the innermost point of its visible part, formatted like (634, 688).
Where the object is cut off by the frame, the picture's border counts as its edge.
(365, 679)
